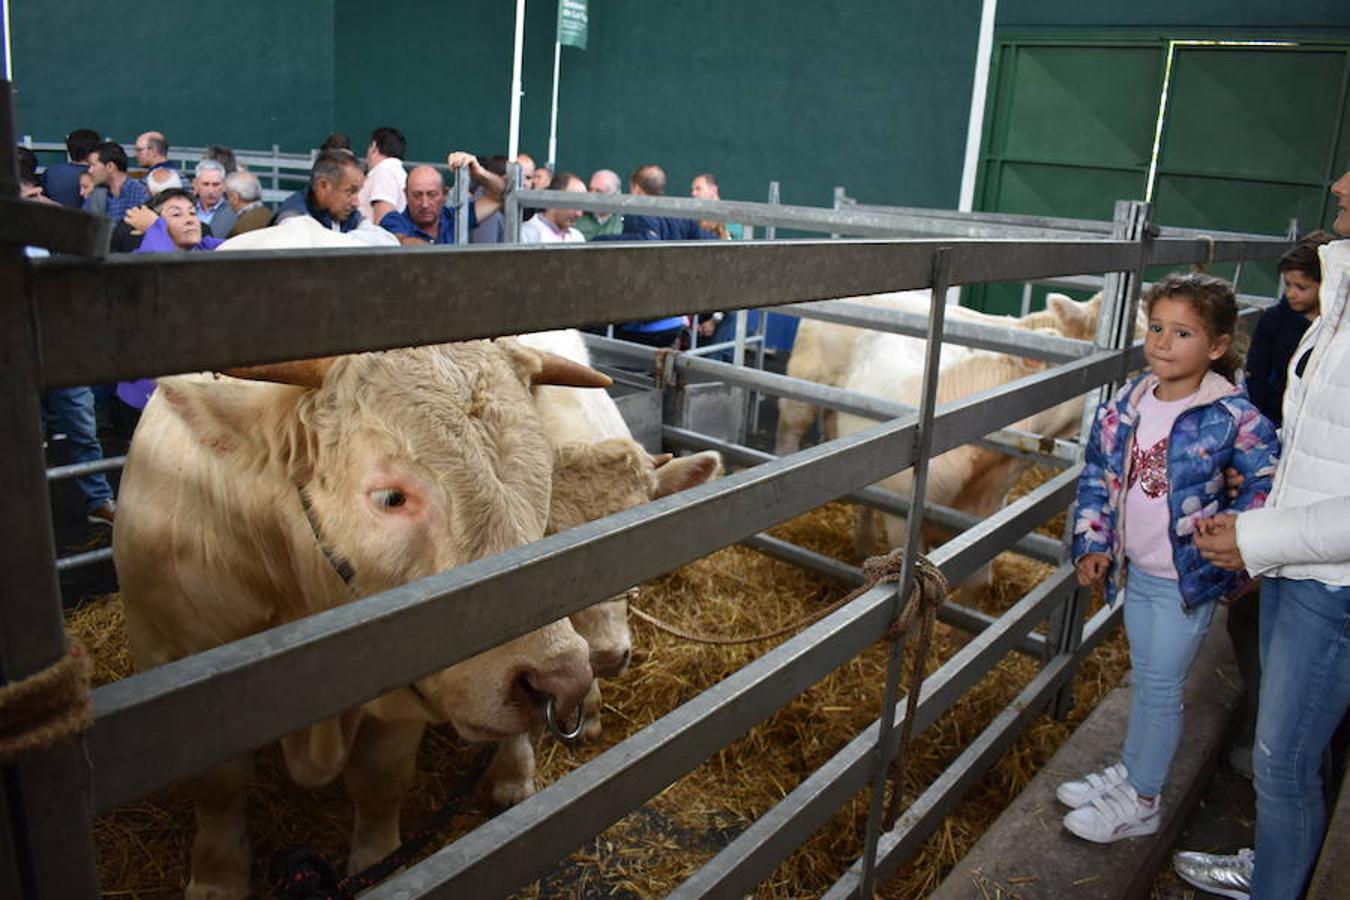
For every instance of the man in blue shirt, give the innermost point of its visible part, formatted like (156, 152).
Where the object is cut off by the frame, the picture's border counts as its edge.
(427, 220)
(333, 194)
(108, 168)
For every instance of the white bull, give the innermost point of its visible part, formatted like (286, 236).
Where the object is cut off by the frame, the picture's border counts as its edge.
(247, 505)
(823, 352)
(968, 478)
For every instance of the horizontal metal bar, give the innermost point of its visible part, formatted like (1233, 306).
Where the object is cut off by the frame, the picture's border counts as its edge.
(88, 558)
(55, 228)
(1004, 440)
(125, 317)
(162, 725)
(969, 620)
(1036, 546)
(77, 470)
(522, 843)
(1093, 283)
(759, 849)
(751, 340)
(1003, 339)
(848, 220)
(923, 816)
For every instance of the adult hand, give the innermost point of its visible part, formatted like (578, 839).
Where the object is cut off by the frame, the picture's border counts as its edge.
(140, 218)
(460, 158)
(1216, 539)
(1092, 568)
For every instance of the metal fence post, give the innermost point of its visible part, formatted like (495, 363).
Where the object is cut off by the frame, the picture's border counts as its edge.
(460, 198)
(276, 169)
(886, 737)
(1115, 330)
(49, 852)
(510, 205)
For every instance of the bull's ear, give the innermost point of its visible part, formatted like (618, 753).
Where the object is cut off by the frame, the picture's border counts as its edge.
(225, 416)
(685, 472)
(1076, 319)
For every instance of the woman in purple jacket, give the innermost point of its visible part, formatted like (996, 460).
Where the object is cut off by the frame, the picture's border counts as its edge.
(176, 229)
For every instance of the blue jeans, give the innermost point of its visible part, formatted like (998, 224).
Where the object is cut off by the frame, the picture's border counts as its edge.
(71, 411)
(1305, 689)
(1164, 639)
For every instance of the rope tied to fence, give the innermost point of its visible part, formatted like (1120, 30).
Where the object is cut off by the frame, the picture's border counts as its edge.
(1209, 254)
(47, 707)
(925, 599)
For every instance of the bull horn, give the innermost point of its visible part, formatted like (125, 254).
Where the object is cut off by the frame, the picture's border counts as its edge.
(301, 372)
(562, 371)
(660, 459)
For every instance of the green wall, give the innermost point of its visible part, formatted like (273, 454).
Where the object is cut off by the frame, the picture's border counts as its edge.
(870, 94)
(246, 73)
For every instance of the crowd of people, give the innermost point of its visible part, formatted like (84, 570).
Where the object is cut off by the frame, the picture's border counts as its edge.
(155, 207)
(1199, 486)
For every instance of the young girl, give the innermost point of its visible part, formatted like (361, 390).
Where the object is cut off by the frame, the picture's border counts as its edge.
(1154, 467)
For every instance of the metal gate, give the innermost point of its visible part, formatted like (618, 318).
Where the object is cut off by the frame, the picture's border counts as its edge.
(72, 320)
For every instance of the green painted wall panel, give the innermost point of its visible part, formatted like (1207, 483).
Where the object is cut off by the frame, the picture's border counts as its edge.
(1265, 114)
(248, 73)
(868, 94)
(1060, 108)
(1078, 192)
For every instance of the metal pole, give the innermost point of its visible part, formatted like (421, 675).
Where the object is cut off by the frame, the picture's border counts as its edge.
(276, 169)
(510, 205)
(1115, 330)
(47, 801)
(513, 141)
(757, 399)
(895, 663)
(463, 196)
(553, 116)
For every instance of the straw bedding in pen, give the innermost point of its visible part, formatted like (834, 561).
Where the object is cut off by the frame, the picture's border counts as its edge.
(143, 847)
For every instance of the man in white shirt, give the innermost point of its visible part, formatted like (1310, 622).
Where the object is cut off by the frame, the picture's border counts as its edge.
(554, 226)
(386, 179)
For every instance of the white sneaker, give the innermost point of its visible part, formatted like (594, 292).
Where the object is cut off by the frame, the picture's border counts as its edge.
(1115, 815)
(1074, 794)
(1227, 876)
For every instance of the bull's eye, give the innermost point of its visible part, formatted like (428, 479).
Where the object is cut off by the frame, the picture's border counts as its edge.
(389, 498)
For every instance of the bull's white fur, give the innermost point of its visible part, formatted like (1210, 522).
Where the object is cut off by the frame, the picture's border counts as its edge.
(601, 470)
(823, 352)
(968, 478)
(212, 545)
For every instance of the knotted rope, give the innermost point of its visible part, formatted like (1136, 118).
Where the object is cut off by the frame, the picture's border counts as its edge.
(1209, 254)
(47, 707)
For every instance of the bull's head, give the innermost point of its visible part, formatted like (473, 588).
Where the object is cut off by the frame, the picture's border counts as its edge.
(410, 462)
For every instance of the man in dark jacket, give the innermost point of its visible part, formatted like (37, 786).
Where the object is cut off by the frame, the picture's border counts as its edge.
(650, 181)
(61, 181)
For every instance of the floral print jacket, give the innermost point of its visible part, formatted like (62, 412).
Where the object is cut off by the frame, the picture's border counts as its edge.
(1221, 428)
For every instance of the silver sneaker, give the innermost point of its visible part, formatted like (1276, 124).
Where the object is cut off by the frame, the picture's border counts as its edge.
(1227, 876)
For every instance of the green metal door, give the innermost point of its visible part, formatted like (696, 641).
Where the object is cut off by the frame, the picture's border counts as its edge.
(1247, 135)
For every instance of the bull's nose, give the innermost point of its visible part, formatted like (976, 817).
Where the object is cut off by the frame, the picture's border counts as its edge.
(566, 682)
(614, 661)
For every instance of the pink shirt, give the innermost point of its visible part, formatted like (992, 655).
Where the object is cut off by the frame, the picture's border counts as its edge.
(1147, 520)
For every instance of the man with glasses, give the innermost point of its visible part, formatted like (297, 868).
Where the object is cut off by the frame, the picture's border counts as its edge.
(152, 152)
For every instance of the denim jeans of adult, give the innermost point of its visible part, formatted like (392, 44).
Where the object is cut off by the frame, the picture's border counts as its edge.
(71, 411)
(1164, 639)
(1305, 688)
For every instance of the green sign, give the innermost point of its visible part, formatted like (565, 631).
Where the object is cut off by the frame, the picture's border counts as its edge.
(572, 23)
